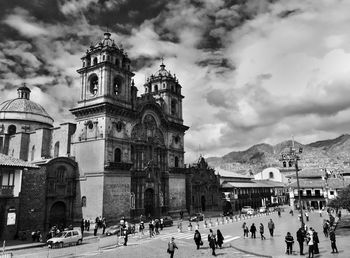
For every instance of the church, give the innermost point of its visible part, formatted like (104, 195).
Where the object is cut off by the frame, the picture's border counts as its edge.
(123, 155)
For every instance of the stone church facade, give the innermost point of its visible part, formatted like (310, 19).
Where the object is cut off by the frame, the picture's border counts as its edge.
(123, 156)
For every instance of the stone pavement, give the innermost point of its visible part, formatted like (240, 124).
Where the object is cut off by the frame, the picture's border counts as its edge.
(275, 246)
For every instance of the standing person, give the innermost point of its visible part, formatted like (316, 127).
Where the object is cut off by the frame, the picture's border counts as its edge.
(197, 239)
(104, 225)
(307, 216)
(301, 238)
(220, 238)
(271, 227)
(95, 229)
(246, 231)
(82, 226)
(325, 228)
(310, 243)
(150, 227)
(316, 241)
(161, 223)
(262, 231)
(253, 230)
(171, 247)
(243, 227)
(86, 225)
(289, 241)
(157, 226)
(212, 241)
(332, 238)
(339, 214)
(141, 228)
(126, 236)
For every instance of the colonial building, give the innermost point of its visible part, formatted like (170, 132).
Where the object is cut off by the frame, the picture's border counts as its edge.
(124, 155)
(203, 187)
(240, 190)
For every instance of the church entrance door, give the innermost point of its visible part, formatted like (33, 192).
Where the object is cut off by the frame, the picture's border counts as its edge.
(203, 202)
(58, 215)
(149, 202)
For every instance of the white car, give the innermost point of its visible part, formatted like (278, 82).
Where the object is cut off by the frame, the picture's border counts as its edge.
(245, 209)
(262, 209)
(69, 237)
(250, 212)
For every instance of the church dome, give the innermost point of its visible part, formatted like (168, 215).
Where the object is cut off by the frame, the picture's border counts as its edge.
(162, 72)
(22, 108)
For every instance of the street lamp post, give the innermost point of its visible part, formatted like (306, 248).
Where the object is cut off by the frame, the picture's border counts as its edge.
(293, 156)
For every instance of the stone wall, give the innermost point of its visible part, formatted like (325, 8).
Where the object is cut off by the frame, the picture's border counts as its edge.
(116, 197)
(177, 192)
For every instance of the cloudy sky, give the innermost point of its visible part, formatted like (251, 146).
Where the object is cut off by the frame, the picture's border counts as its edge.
(251, 71)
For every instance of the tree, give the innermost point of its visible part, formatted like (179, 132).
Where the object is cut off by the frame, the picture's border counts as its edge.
(343, 199)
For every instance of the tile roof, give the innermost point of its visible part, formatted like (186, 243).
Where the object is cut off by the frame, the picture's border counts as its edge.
(8, 161)
(252, 184)
(225, 173)
(319, 183)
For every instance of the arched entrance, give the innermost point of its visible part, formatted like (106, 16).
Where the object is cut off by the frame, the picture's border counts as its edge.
(149, 202)
(203, 202)
(58, 214)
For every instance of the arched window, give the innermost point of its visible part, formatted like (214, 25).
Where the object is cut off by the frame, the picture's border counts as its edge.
(11, 130)
(117, 85)
(173, 106)
(290, 163)
(117, 155)
(95, 61)
(284, 164)
(83, 201)
(156, 88)
(93, 82)
(271, 175)
(56, 151)
(176, 161)
(33, 153)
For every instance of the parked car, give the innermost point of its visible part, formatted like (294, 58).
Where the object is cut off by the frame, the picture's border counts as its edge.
(245, 209)
(262, 209)
(68, 237)
(250, 211)
(196, 217)
(116, 230)
(167, 221)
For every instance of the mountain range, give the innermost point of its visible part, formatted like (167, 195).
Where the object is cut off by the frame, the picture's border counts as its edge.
(332, 153)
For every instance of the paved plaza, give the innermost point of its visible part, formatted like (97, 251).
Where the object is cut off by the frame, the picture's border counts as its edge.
(234, 244)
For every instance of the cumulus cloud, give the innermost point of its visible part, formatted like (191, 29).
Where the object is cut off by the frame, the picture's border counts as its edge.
(251, 71)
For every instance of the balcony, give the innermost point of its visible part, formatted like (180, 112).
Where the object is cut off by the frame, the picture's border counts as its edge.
(6, 190)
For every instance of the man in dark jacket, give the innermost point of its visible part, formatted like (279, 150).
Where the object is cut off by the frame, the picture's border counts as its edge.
(332, 238)
(253, 230)
(212, 241)
(289, 241)
(301, 234)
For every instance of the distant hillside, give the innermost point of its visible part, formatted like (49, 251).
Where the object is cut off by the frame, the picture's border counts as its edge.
(327, 153)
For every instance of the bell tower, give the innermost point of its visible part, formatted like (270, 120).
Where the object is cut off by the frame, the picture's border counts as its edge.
(105, 74)
(165, 87)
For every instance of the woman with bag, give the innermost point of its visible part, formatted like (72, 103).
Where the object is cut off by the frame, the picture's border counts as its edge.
(171, 247)
(220, 238)
(198, 239)
(212, 241)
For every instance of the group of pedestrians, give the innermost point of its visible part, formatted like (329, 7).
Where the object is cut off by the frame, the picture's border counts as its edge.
(154, 226)
(253, 229)
(214, 240)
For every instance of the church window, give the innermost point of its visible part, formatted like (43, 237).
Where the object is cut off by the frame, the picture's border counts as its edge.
(173, 106)
(83, 201)
(271, 176)
(93, 81)
(156, 88)
(117, 62)
(176, 162)
(95, 61)
(33, 153)
(117, 155)
(177, 139)
(119, 126)
(11, 130)
(90, 125)
(103, 57)
(60, 174)
(163, 85)
(83, 64)
(117, 85)
(56, 150)
(284, 164)
(290, 163)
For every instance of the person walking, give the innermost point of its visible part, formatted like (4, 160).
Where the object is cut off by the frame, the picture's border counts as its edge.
(253, 231)
(332, 238)
(262, 231)
(212, 241)
(289, 241)
(245, 230)
(87, 225)
(197, 239)
(161, 223)
(82, 226)
(150, 227)
(125, 236)
(95, 229)
(171, 247)
(301, 238)
(316, 241)
(310, 243)
(220, 238)
(141, 228)
(271, 227)
(104, 225)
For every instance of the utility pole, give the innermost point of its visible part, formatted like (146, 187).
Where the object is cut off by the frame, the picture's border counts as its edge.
(293, 156)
